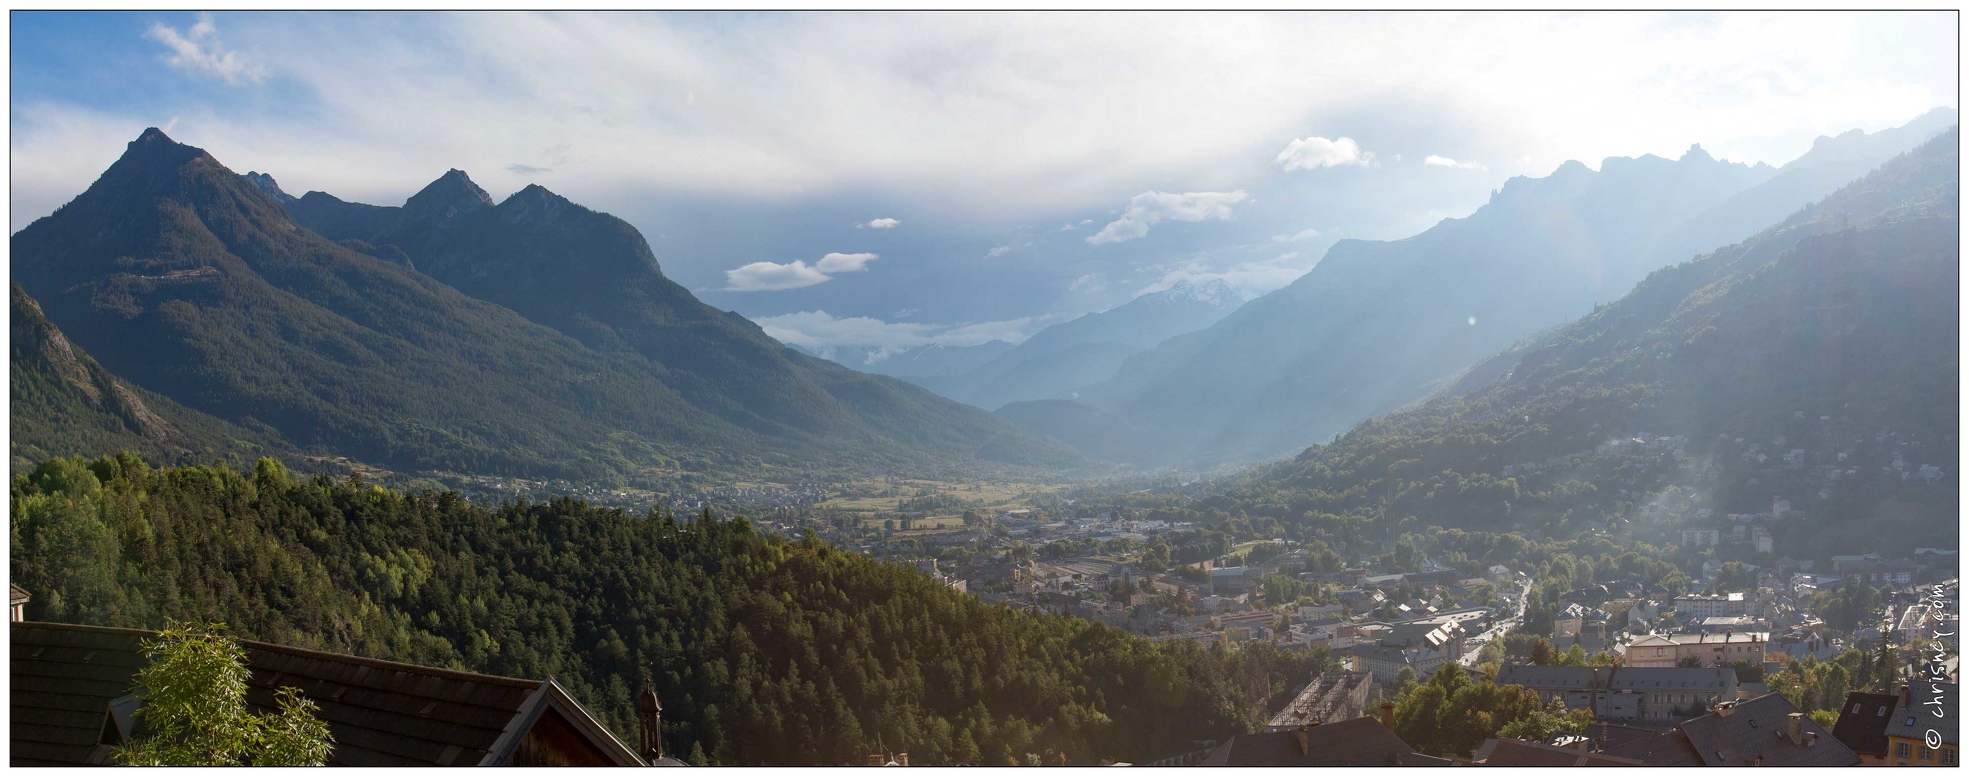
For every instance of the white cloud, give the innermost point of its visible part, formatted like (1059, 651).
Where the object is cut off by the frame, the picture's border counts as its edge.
(998, 251)
(1090, 281)
(840, 263)
(1316, 152)
(1150, 208)
(197, 50)
(880, 224)
(819, 330)
(767, 276)
(1000, 114)
(797, 274)
(1304, 234)
(1249, 278)
(1443, 161)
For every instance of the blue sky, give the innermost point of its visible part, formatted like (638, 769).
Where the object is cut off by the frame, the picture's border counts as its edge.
(749, 148)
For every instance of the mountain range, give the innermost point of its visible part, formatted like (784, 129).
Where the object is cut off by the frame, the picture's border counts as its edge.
(453, 334)
(1815, 363)
(1068, 355)
(1377, 325)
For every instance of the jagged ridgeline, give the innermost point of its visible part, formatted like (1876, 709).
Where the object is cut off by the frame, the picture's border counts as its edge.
(1815, 362)
(529, 337)
(763, 651)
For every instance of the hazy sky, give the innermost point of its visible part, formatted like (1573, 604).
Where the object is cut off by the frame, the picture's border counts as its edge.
(895, 178)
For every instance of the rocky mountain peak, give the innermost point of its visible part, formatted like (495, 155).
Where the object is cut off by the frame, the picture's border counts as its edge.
(448, 197)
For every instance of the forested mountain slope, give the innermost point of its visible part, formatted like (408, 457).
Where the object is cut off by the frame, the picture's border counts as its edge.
(763, 651)
(592, 277)
(1814, 364)
(185, 278)
(1378, 325)
(65, 404)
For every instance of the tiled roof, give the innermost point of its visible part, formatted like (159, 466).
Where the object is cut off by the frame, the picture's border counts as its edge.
(1670, 749)
(1754, 732)
(62, 682)
(380, 713)
(1863, 721)
(1356, 742)
(1517, 752)
(1918, 707)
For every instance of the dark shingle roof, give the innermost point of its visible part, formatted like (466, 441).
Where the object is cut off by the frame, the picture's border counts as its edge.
(380, 713)
(1517, 752)
(1356, 742)
(1670, 749)
(1920, 706)
(63, 679)
(1863, 721)
(1754, 732)
(1608, 736)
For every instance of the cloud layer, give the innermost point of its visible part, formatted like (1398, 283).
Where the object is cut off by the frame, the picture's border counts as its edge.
(769, 276)
(1251, 278)
(1150, 208)
(992, 112)
(1316, 152)
(818, 329)
(1443, 161)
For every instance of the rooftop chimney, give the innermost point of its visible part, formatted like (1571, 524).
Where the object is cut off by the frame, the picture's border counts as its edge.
(1388, 714)
(1794, 728)
(649, 713)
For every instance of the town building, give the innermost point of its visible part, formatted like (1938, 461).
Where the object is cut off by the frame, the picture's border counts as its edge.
(1386, 662)
(1663, 650)
(1713, 605)
(1653, 695)
(1924, 713)
(1568, 621)
(1229, 581)
(1730, 624)
(1331, 697)
(72, 683)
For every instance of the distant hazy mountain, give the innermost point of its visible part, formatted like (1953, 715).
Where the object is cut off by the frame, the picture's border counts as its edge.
(1378, 325)
(1815, 362)
(1088, 349)
(192, 281)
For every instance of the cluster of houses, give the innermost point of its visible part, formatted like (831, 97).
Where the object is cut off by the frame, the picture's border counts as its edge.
(1761, 730)
(493, 490)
